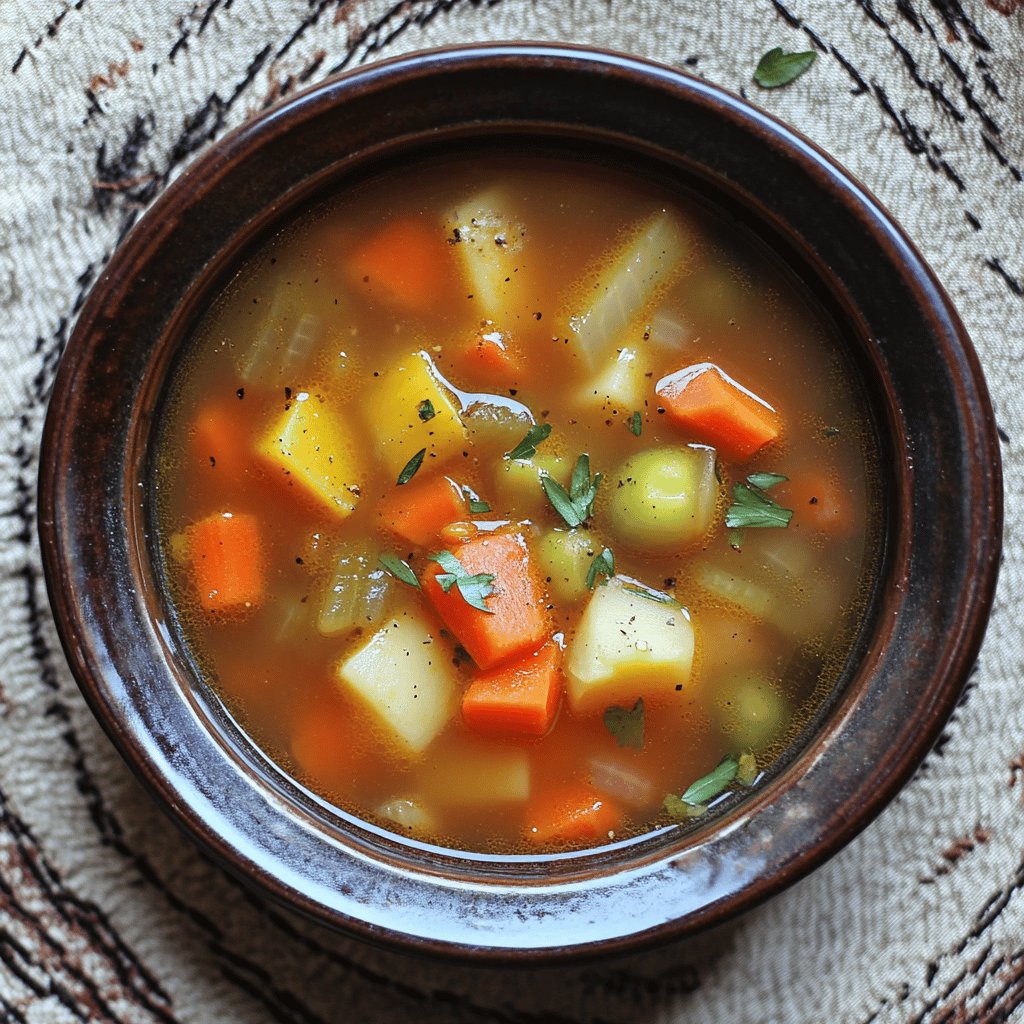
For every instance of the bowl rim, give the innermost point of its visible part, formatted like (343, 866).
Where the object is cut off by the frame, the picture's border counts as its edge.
(91, 671)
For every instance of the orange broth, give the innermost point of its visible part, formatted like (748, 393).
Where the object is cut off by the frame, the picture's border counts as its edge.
(378, 278)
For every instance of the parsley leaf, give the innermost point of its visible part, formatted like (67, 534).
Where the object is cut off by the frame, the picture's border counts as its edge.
(626, 726)
(409, 471)
(602, 565)
(475, 505)
(636, 424)
(426, 410)
(527, 448)
(398, 568)
(474, 589)
(709, 786)
(693, 803)
(577, 504)
(778, 68)
(751, 506)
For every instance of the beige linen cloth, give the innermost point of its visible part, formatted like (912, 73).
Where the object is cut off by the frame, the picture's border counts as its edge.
(106, 912)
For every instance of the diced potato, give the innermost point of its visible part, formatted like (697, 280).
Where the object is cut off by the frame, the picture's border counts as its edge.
(392, 407)
(409, 815)
(750, 709)
(488, 242)
(485, 775)
(664, 498)
(627, 646)
(404, 675)
(313, 446)
(517, 489)
(356, 594)
(647, 261)
(564, 558)
(621, 385)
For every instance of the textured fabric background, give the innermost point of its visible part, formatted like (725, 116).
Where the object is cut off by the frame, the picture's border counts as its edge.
(106, 913)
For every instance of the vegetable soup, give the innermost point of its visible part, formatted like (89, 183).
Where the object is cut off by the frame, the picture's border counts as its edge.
(518, 504)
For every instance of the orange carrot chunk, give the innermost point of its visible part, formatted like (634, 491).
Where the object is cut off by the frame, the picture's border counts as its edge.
(321, 743)
(226, 552)
(220, 440)
(423, 508)
(707, 403)
(521, 697)
(488, 358)
(516, 621)
(574, 813)
(818, 501)
(405, 261)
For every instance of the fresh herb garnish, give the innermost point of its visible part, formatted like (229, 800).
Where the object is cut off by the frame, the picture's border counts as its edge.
(751, 506)
(778, 68)
(527, 448)
(650, 593)
(411, 466)
(576, 504)
(399, 569)
(426, 410)
(476, 505)
(473, 588)
(636, 424)
(693, 803)
(602, 565)
(626, 726)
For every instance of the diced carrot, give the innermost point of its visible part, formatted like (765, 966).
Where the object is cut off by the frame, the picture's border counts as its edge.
(818, 502)
(521, 697)
(572, 814)
(517, 620)
(406, 260)
(220, 439)
(488, 358)
(419, 511)
(321, 742)
(226, 552)
(706, 402)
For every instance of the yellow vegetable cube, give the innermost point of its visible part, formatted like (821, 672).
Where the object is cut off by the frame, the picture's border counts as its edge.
(620, 385)
(394, 408)
(314, 447)
(404, 675)
(627, 646)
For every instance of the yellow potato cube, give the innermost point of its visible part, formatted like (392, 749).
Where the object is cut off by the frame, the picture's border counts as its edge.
(314, 447)
(404, 676)
(395, 401)
(627, 646)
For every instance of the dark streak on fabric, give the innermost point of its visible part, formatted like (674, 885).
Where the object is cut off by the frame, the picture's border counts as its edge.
(995, 265)
(972, 220)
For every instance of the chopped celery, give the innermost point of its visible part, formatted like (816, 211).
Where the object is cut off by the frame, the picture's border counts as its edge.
(356, 595)
(564, 558)
(733, 589)
(517, 487)
(663, 498)
(648, 260)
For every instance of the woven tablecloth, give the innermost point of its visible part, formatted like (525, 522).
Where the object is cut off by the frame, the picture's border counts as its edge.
(106, 912)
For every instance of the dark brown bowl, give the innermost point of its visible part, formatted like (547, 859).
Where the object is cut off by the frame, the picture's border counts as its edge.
(922, 630)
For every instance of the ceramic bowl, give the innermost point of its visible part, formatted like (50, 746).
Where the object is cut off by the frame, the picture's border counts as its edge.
(920, 636)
